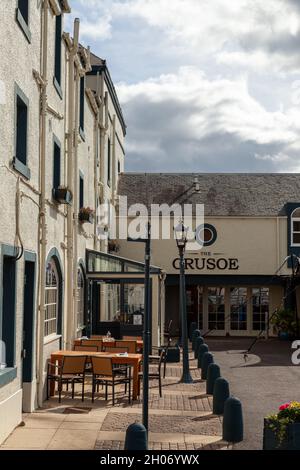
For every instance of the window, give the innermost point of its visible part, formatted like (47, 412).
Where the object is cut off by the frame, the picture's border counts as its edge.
(119, 167)
(56, 164)
(216, 308)
(21, 133)
(24, 9)
(51, 299)
(81, 191)
(8, 310)
(108, 162)
(260, 310)
(57, 60)
(238, 308)
(22, 17)
(295, 221)
(81, 113)
(80, 299)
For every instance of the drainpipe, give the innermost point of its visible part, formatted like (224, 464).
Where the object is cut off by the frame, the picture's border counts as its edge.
(70, 180)
(103, 131)
(96, 159)
(75, 203)
(114, 163)
(42, 216)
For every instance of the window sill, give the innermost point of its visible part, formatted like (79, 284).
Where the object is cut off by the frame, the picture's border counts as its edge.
(23, 25)
(51, 339)
(7, 375)
(82, 134)
(57, 88)
(21, 168)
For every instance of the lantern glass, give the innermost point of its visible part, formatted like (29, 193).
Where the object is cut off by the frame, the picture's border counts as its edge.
(181, 232)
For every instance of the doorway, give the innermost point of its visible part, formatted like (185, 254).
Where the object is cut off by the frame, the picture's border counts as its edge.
(28, 326)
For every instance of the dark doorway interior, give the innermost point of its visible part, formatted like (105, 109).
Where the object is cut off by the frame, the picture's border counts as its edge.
(28, 321)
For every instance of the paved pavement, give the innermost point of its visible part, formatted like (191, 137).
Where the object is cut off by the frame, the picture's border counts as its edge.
(266, 380)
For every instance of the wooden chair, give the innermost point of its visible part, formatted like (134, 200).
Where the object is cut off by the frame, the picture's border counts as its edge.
(92, 342)
(86, 348)
(71, 371)
(131, 345)
(155, 374)
(105, 373)
(115, 350)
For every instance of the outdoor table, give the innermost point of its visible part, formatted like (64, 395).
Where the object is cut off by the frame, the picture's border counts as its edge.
(131, 359)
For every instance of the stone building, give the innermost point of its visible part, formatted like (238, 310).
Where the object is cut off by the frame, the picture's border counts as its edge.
(61, 151)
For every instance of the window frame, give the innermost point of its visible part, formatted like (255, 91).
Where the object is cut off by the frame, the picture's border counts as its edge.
(294, 219)
(57, 288)
(56, 144)
(58, 55)
(23, 24)
(18, 164)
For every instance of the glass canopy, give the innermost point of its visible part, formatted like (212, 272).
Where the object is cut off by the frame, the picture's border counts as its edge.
(103, 263)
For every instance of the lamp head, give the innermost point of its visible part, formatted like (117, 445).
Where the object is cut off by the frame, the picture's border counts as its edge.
(181, 234)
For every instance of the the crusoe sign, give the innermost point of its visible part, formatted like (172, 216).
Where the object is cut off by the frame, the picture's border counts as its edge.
(209, 264)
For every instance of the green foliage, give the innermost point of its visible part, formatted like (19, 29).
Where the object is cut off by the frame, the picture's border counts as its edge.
(284, 321)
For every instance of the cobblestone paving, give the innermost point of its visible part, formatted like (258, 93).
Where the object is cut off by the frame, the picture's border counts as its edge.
(165, 424)
(178, 402)
(119, 445)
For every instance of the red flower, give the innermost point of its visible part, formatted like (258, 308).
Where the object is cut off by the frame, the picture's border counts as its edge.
(284, 407)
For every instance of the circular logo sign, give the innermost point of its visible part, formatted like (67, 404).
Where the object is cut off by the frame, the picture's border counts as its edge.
(206, 235)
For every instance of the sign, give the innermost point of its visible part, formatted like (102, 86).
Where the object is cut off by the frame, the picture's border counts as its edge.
(209, 264)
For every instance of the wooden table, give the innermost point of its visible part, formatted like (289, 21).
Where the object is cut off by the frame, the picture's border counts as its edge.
(131, 359)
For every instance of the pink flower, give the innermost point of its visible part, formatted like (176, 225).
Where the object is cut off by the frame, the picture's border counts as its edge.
(284, 407)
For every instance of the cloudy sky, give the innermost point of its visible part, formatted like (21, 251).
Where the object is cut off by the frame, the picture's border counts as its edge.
(205, 85)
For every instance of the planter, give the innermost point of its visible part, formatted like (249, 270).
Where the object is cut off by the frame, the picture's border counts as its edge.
(291, 442)
(62, 195)
(85, 217)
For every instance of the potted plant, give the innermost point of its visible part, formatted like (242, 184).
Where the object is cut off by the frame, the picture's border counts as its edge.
(86, 214)
(282, 430)
(285, 323)
(113, 246)
(62, 195)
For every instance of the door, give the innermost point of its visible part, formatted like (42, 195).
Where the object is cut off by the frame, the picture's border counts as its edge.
(191, 305)
(216, 311)
(28, 322)
(238, 318)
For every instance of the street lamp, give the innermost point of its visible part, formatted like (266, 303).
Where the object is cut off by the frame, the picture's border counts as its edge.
(181, 234)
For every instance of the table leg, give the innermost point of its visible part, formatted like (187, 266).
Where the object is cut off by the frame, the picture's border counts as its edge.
(135, 380)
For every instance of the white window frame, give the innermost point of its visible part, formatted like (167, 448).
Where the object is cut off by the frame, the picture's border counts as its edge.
(294, 219)
(80, 300)
(47, 289)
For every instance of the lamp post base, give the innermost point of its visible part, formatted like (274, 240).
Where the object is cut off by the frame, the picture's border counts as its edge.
(186, 378)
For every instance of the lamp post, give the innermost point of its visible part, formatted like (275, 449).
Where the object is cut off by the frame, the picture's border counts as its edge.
(147, 324)
(181, 239)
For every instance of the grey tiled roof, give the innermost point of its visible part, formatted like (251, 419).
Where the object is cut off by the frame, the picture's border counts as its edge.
(223, 194)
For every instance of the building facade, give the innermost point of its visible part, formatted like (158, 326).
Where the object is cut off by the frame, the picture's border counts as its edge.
(61, 151)
(241, 271)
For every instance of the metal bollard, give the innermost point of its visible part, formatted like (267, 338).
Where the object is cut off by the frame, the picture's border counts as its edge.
(207, 359)
(213, 373)
(196, 334)
(221, 393)
(199, 341)
(193, 327)
(233, 420)
(136, 437)
(201, 351)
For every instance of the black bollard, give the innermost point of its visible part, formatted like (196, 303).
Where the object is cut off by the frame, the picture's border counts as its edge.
(136, 437)
(233, 420)
(196, 333)
(199, 341)
(213, 373)
(202, 350)
(221, 393)
(207, 359)
(193, 327)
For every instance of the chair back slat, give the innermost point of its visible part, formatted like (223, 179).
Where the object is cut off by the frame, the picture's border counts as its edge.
(131, 345)
(115, 350)
(86, 348)
(92, 342)
(74, 364)
(102, 366)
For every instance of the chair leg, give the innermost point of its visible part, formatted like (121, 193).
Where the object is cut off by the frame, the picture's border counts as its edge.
(165, 368)
(106, 397)
(59, 391)
(129, 391)
(82, 398)
(159, 383)
(93, 390)
(47, 388)
(73, 388)
(113, 392)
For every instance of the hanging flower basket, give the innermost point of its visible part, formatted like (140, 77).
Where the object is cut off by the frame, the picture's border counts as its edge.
(62, 195)
(282, 430)
(86, 215)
